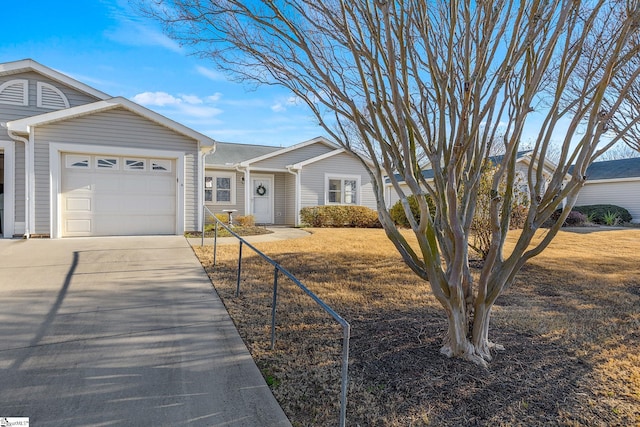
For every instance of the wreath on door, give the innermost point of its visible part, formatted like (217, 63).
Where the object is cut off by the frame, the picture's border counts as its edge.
(261, 190)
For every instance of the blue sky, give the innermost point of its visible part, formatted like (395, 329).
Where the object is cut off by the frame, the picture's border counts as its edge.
(104, 44)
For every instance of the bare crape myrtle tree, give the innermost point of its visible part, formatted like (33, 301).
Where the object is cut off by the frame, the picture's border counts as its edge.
(406, 84)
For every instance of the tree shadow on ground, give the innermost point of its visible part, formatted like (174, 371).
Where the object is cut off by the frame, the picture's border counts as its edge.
(397, 375)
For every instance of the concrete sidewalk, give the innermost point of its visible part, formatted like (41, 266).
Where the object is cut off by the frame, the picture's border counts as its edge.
(124, 332)
(277, 233)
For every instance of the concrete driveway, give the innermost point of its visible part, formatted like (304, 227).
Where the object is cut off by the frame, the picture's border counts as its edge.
(121, 332)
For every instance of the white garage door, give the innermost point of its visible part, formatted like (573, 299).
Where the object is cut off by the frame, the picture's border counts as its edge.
(116, 196)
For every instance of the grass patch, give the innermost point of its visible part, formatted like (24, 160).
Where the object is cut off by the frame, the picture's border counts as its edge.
(240, 230)
(570, 325)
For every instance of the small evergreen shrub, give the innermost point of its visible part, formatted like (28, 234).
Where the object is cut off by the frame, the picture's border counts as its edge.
(397, 211)
(340, 216)
(599, 213)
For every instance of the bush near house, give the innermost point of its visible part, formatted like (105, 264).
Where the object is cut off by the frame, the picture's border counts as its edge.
(598, 213)
(397, 211)
(574, 219)
(340, 216)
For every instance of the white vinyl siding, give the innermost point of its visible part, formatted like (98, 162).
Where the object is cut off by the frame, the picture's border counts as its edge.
(113, 128)
(281, 197)
(31, 108)
(290, 204)
(293, 156)
(341, 165)
(624, 193)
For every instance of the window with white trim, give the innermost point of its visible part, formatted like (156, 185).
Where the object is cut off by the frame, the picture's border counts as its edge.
(135, 164)
(342, 190)
(76, 161)
(161, 165)
(220, 188)
(106, 162)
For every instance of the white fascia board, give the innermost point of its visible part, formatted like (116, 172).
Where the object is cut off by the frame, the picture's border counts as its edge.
(23, 65)
(319, 139)
(25, 125)
(304, 163)
(611, 180)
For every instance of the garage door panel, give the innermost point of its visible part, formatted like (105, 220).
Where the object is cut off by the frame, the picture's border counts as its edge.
(76, 181)
(77, 227)
(78, 204)
(104, 202)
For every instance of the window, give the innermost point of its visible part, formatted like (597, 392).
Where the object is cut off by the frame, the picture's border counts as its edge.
(134, 164)
(106, 163)
(161, 165)
(342, 190)
(77, 161)
(220, 188)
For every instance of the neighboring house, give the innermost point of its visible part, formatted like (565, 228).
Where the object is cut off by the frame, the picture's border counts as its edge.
(523, 160)
(613, 182)
(77, 162)
(273, 184)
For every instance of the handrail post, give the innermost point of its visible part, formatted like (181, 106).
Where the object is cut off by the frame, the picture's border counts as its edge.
(239, 269)
(273, 308)
(215, 242)
(345, 374)
(204, 216)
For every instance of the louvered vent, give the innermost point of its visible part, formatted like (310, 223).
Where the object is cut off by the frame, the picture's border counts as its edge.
(51, 97)
(15, 92)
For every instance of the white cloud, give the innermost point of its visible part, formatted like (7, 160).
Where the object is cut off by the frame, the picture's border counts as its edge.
(282, 104)
(132, 33)
(191, 99)
(215, 97)
(278, 107)
(158, 99)
(186, 107)
(211, 74)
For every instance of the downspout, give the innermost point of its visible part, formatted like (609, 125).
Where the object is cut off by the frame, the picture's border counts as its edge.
(247, 195)
(27, 180)
(201, 173)
(295, 171)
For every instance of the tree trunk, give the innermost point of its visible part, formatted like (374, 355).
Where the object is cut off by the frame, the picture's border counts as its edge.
(456, 342)
(480, 333)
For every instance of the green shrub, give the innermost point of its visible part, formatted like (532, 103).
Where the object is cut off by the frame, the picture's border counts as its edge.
(397, 211)
(598, 213)
(340, 216)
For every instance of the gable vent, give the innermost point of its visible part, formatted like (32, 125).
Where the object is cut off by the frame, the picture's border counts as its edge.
(15, 92)
(51, 97)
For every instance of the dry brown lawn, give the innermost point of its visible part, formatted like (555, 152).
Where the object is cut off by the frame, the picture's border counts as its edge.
(570, 325)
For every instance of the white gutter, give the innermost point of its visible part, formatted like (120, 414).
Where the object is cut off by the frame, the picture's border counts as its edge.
(28, 177)
(201, 171)
(247, 195)
(295, 171)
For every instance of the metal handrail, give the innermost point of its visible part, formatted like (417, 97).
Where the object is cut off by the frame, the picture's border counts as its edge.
(346, 328)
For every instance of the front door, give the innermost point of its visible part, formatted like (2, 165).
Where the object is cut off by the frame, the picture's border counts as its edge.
(262, 198)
